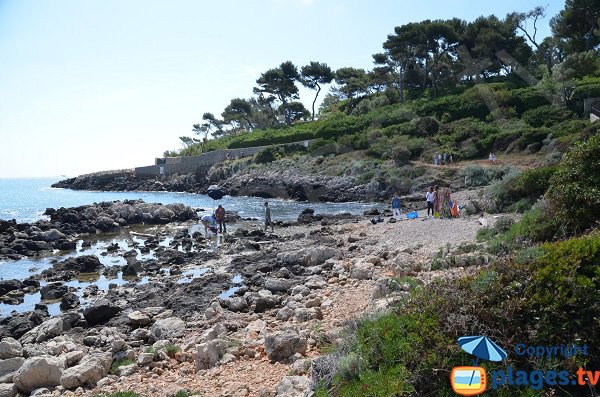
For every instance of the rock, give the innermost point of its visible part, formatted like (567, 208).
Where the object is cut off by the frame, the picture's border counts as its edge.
(282, 345)
(81, 264)
(138, 318)
(69, 301)
(472, 207)
(362, 271)
(145, 358)
(8, 390)
(307, 256)
(293, 386)
(54, 235)
(50, 328)
(10, 348)
(213, 333)
(302, 366)
(88, 372)
(106, 224)
(213, 311)
(100, 312)
(302, 314)
(10, 365)
(53, 291)
(73, 357)
(276, 284)
(300, 290)
(227, 358)
(316, 302)
(235, 303)
(41, 392)
(209, 353)
(168, 328)
(36, 372)
(9, 285)
(285, 313)
(264, 300)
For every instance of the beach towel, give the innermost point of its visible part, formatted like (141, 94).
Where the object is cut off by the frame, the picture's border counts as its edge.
(412, 215)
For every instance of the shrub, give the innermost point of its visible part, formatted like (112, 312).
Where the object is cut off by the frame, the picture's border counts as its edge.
(268, 154)
(171, 350)
(425, 126)
(546, 116)
(574, 191)
(474, 175)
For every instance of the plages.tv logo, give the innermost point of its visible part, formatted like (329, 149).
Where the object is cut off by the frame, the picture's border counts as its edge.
(472, 380)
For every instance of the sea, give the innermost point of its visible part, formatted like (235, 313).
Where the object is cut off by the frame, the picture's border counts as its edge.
(26, 200)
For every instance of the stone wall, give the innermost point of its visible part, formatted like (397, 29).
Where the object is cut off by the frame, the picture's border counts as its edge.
(200, 163)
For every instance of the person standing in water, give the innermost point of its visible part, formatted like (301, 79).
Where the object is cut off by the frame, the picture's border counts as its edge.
(220, 215)
(430, 197)
(396, 207)
(268, 220)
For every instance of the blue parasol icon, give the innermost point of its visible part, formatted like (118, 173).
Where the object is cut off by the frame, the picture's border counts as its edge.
(482, 348)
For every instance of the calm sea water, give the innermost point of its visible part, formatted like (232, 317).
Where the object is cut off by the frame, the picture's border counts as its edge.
(26, 200)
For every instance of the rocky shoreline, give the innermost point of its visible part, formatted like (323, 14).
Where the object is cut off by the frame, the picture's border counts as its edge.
(251, 321)
(315, 188)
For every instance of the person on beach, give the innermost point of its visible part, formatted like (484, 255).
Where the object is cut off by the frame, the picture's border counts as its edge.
(429, 197)
(268, 220)
(437, 198)
(210, 223)
(435, 158)
(446, 203)
(445, 158)
(396, 207)
(220, 216)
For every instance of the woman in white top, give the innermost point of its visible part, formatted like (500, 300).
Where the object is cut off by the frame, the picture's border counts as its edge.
(429, 196)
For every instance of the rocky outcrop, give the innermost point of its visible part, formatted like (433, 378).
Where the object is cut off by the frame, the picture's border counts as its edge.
(100, 312)
(18, 240)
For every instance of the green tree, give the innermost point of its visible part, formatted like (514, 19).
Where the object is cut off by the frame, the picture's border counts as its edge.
(239, 111)
(296, 111)
(352, 81)
(280, 83)
(313, 75)
(210, 123)
(527, 23)
(576, 24)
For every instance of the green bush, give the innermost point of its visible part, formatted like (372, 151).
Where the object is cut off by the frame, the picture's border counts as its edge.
(425, 126)
(268, 154)
(171, 350)
(574, 191)
(546, 116)
(474, 175)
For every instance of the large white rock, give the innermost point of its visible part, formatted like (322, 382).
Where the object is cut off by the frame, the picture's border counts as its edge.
(308, 256)
(10, 365)
(293, 386)
(36, 372)
(8, 390)
(53, 235)
(88, 372)
(10, 348)
(168, 328)
(209, 353)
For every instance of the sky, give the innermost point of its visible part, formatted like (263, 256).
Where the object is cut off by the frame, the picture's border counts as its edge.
(98, 85)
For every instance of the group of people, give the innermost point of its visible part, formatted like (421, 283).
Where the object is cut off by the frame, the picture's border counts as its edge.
(492, 158)
(439, 203)
(211, 221)
(445, 159)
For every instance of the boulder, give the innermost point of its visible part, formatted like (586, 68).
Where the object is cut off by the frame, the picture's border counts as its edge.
(53, 235)
(307, 256)
(50, 328)
(264, 300)
(69, 301)
(138, 318)
(293, 386)
(282, 345)
(168, 328)
(100, 312)
(9, 285)
(88, 372)
(52, 291)
(36, 372)
(235, 303)
(81, 264)
(8, 390)
(106, 224)
(209, 353)
(362, 271)
(10, 348)
(276, 284)
(10, 365)
(145, 358)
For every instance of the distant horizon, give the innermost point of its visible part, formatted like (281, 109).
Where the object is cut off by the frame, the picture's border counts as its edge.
(105, 85)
